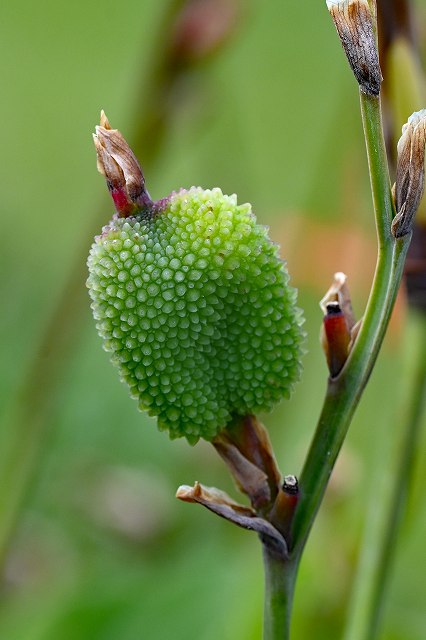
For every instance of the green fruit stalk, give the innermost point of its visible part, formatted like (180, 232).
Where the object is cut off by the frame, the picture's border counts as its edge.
(192, 300)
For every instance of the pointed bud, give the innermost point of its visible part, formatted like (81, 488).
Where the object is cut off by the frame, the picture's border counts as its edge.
(338, 324)
(337, 338)
(117, 162)
(410, 173)
(354, 23)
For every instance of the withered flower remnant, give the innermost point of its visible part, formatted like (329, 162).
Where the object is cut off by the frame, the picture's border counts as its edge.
(339, 328)
(117, 162)
(410, 173)
(354, 23)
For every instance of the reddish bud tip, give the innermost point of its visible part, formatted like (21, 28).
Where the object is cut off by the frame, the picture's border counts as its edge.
(117, 162)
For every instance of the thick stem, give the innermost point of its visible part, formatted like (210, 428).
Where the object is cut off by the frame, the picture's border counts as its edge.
(344, 391)
(400, 490)
(387, 508)
(280, 577)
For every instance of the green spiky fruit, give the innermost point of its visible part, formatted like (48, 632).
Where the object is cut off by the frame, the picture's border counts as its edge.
(193, 302)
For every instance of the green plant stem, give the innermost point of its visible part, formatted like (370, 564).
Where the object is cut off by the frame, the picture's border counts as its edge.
(280, 577)
(344, 392)
(387, 507)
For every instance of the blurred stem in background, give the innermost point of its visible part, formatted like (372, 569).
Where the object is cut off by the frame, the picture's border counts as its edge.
(404, 92)
(388, 500)
(190, 33)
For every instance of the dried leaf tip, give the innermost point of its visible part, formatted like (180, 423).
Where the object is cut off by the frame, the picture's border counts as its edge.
(410, 173)
(104, 122)
(222, 505)
(118, 164)
(355, 26)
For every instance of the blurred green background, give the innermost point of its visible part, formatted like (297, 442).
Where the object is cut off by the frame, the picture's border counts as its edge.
(101, 549)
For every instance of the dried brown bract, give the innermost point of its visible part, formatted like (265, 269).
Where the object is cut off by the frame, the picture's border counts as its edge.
(222, 505)
(410, 173)
(354, 24)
